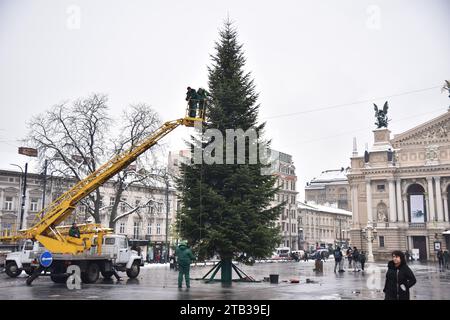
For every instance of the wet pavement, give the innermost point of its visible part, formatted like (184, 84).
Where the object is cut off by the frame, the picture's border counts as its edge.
(158, 282)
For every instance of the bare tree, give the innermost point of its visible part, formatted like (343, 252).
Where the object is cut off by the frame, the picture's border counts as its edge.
(73, 138)
(138, 123)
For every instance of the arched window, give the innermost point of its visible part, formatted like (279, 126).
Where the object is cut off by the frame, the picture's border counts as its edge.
(416, 204)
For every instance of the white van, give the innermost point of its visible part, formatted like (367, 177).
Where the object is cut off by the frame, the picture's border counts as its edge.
(282, 252)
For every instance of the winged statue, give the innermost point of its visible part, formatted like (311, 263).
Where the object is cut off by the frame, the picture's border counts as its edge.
(381, 115)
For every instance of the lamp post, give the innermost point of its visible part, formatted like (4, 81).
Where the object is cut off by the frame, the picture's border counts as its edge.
(30, 152)
(24, 189)
(44, 187)
(369, 233)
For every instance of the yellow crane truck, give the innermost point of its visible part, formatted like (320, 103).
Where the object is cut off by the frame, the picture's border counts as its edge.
(51, 250)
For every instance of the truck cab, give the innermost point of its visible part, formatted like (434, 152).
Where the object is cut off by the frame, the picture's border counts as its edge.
(21, 260)
(117, 247)
(124, 258)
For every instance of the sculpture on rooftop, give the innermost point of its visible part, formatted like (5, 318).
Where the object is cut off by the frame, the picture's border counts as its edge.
(381, 115)
(446, 87)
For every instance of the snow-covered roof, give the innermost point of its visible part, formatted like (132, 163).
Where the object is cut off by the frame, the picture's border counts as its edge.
(321, 208)
(328, 177)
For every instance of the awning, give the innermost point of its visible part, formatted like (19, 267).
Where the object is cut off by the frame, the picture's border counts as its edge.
(446, 232)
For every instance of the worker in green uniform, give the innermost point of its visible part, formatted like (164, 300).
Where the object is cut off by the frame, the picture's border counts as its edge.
(185, 257)
(202, 101)
(74, 231)
(192, 99)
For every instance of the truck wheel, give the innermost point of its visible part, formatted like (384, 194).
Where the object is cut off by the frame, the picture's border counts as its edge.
(91, 274)
(12, 270)
(133, 272)
(59, 278)
(107, 274)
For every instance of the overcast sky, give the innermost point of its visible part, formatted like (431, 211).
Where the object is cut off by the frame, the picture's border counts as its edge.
(318, 65)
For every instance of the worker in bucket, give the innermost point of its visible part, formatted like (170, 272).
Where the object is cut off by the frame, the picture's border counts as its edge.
(192, 99)
(185, 258)
(74, 231)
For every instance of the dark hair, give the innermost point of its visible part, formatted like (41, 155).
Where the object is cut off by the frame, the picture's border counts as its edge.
(400, 254)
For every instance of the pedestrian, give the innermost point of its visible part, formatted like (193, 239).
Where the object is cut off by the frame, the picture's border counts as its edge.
(202, 103)
(446, 258)
(318, 266)
(362, 259)
(349, 257)
(74, 231)
(185, 258)
(337, 258)
(399, 278)
(192, 99)
(407, 256)
(355, 259)
(440, 256)
(115, 274)
(173, 262)
(305, 256)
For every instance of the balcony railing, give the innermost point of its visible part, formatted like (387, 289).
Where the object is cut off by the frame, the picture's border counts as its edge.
(415, 225)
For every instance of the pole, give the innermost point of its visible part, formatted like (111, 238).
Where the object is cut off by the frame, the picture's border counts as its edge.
(24, 189)
(167, 215)
(45, 186)
(290, 228)
(340, 231)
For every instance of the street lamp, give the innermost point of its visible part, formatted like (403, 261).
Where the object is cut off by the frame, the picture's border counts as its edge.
(24, 188)
(369, 233)
(30, 152)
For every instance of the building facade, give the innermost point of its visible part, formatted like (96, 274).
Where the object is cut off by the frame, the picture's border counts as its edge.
(283, 168)
(400, 189)
(322, 226)
(141, 214)
(331, 188)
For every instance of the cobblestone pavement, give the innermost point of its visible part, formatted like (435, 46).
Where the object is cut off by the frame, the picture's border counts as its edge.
(160, 283)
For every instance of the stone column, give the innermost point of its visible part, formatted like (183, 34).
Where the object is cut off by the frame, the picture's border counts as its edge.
(440, 211)
(405, 208)
(369, 201)
(445, 208)
(355, 204)
(400, 214)
(432, 214)
(369, 221)
(392, 204)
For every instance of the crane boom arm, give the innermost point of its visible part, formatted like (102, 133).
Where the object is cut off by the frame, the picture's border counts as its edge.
(63, 206)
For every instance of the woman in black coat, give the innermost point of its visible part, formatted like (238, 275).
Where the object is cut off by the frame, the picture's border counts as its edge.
(399, 278)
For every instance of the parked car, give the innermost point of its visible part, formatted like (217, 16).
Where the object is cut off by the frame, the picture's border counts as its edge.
(324, 254)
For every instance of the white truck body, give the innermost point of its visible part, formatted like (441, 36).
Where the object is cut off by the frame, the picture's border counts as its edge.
(116, 255)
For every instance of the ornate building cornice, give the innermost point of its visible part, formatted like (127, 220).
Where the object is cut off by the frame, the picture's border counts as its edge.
(434, 131)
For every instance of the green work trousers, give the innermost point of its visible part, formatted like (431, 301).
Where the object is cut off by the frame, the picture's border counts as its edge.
(183, 270)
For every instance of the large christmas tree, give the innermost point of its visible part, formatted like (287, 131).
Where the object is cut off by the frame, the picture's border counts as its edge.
(226, 208)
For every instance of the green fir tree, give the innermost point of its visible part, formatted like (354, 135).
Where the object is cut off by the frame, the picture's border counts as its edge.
(226, 208)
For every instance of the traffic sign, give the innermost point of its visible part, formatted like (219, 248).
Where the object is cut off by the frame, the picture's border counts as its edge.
(31, 152)
(46, 259)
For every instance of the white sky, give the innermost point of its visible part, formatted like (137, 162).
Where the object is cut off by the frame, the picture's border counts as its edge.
(304, 55)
